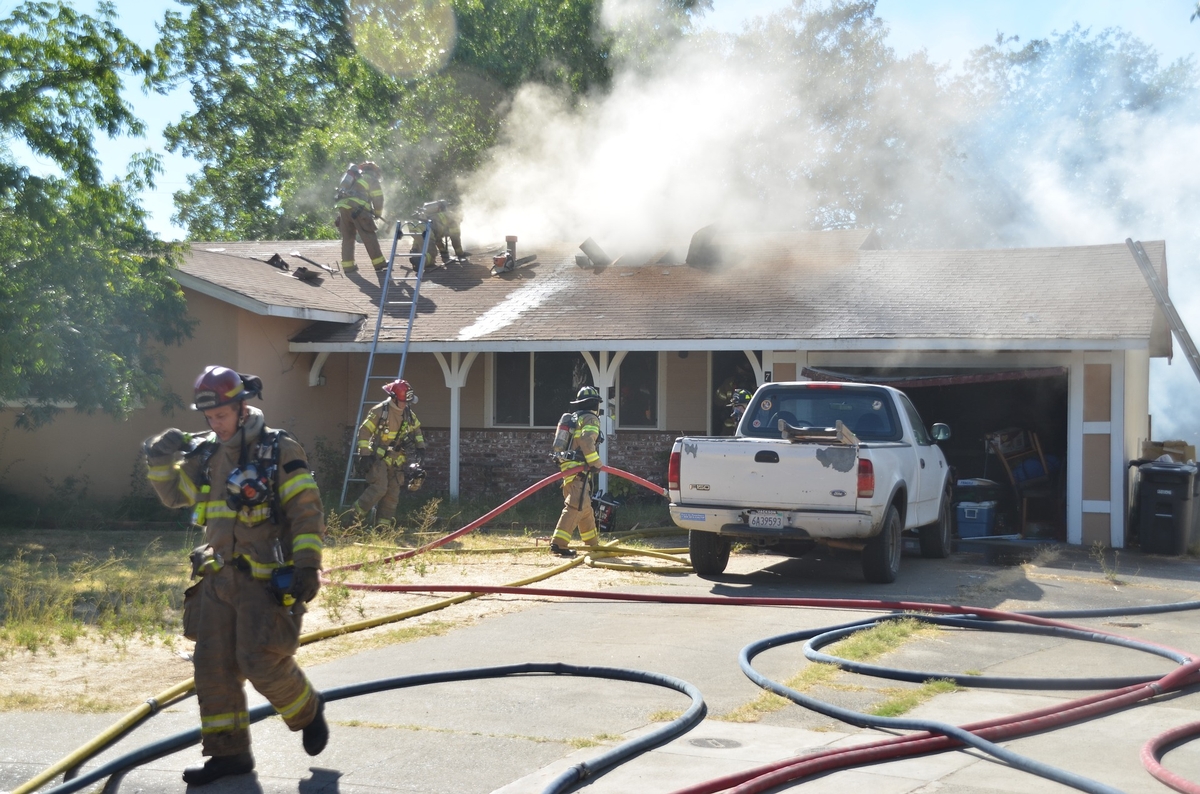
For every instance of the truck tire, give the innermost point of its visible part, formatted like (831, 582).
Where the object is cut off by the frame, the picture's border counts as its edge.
(881, 556)
(935, 537)
(709, 552)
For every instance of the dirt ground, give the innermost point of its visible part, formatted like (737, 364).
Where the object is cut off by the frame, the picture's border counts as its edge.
(97, 675)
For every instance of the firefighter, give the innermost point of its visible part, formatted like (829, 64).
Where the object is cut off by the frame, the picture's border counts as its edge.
(389, 435)
(579, 461)
(737, 407)
(445, 224)
(264, 527)
(359, 204)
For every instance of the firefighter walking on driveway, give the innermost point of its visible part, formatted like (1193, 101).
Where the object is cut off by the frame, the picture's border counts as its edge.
(578, 435)
(359, 203)
(252, 491)
(387, 439)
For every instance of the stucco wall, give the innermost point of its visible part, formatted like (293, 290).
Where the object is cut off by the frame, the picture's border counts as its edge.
(100, 452)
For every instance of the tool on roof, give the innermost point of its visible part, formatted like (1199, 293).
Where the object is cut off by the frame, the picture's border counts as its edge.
(506, 262)
(299, 255)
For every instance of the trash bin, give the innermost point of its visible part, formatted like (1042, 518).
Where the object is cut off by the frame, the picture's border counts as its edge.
(1166, 506)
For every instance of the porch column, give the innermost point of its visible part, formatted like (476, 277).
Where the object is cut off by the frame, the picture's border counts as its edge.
(455, 373)
(604, 375)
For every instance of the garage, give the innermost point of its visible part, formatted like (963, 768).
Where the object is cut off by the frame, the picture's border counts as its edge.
(979, 402)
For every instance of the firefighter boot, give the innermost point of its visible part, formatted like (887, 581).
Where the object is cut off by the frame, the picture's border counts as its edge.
(562, 551)
(217, 767)
(316, 733)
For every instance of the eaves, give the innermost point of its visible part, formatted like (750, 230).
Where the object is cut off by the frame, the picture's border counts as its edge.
(243, 301)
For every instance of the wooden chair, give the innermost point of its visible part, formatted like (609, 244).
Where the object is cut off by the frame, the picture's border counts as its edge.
(1016, 452)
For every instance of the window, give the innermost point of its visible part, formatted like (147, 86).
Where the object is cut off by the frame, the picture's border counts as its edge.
(867, 412)
(914, 418)
(537, 385)
(637, 389)
(511, 378)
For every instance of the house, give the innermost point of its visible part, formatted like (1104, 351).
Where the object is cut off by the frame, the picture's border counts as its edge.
(1056, 340)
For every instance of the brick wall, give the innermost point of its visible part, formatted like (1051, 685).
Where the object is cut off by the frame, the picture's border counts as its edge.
(504, 462)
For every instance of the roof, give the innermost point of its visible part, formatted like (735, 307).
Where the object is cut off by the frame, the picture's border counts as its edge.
(826, 290)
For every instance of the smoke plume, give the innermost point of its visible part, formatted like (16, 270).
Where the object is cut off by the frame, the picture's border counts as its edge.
(808, 120)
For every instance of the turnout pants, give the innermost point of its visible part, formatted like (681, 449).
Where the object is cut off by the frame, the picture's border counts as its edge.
(364, 226)
(384, 484)
(577, 512)
(244, 634)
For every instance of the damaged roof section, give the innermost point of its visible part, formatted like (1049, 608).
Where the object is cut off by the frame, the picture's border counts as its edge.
(823, 290)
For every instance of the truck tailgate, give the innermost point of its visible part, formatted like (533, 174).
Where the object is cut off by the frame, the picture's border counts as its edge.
(769, 474)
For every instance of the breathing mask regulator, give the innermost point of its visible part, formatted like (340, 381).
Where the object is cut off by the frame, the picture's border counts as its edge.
(248, 485)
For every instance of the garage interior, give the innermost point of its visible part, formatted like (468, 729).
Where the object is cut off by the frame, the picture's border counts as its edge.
(974, 403)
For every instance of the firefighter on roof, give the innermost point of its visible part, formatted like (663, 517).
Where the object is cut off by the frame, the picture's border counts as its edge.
(387, 439)
(252, 491)
(359, 204)
(446, 227)
(579, 459)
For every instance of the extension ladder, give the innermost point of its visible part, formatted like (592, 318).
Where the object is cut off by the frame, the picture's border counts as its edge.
(366, 402)
(1164, 300)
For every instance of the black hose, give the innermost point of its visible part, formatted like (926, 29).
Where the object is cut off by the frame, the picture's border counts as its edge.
(1115, 612)
(953, 731)
(579, 772)
(812, 646)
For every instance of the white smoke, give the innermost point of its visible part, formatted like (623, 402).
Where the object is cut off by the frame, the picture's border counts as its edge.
(758, 131)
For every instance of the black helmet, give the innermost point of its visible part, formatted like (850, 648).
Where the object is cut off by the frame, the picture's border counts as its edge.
(586, 395)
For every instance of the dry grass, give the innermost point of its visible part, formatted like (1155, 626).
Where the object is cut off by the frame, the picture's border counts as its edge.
(862, 646)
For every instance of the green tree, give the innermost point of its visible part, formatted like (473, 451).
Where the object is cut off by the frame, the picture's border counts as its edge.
(288, 92)
(84, 287)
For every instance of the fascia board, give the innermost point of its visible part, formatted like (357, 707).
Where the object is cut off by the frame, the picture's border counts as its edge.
(242, 301)
(982, 345)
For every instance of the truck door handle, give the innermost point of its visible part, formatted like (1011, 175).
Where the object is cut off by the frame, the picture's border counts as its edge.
(766, 456)
(922, 463)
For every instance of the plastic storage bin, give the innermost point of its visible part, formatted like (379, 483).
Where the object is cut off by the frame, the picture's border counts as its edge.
(976, 519)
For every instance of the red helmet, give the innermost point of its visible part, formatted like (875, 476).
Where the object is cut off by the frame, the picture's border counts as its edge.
(370, 165)
(401, 391)
(219, 386)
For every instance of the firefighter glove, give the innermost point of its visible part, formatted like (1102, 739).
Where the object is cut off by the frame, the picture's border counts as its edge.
(306, 584)
(167, 442)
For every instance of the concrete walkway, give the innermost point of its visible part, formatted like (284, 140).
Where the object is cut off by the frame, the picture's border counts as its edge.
(515, 735)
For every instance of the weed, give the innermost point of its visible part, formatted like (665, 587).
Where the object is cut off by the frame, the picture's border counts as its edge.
(861, 646)
(902, 701)
(665, 716)
(1110, 571)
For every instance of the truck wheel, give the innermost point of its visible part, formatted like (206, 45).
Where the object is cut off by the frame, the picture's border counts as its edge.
(881, 556)
(709, 552)
(935, 537)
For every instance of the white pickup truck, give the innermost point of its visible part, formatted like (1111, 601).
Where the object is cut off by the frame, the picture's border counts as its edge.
(845, 464)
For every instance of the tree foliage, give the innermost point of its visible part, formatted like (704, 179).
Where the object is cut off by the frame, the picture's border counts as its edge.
(84, 287)
(288, 92)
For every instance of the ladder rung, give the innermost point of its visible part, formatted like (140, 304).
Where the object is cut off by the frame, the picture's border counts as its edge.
(399, 303)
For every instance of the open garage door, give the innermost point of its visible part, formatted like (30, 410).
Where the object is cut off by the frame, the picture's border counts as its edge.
(976, 402)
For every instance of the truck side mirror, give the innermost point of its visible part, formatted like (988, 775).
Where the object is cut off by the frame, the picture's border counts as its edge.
(941, 432)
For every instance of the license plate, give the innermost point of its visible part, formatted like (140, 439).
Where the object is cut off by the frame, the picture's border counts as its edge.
(766, 520)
